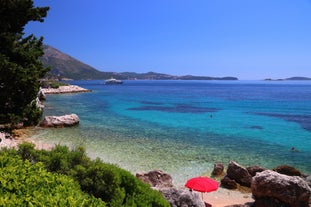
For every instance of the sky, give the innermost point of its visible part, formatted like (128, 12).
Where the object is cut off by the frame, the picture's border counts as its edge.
(247, 39)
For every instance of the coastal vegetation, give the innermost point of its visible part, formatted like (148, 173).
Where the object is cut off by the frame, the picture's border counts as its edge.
(59, 177)
(53, 84)
(20, 68)
(71, 177)
(26, 184)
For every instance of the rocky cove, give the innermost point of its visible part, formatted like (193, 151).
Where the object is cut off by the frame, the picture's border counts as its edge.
(285, 191)
(240, 186)
(252, 187)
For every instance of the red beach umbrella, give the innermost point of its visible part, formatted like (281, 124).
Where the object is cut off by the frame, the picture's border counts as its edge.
(202, 184)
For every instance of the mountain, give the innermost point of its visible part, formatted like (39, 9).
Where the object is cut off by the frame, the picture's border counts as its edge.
(64, 66)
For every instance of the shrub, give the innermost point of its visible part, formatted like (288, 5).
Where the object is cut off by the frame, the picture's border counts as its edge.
(113, 185)
(56, 84)
(25, 184)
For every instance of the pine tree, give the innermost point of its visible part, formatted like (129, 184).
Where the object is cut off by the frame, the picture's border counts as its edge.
(20, 68)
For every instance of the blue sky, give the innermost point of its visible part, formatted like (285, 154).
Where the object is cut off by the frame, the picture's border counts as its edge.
(248, 39)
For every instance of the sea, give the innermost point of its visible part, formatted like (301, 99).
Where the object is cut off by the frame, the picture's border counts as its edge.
(184, 127)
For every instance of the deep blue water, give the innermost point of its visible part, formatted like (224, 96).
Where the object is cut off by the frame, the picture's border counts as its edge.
(183, 127)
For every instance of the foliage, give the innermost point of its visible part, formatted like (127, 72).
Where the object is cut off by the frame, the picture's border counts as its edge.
(52, 84)
(20, 68)
(25, 184)
(112, 184)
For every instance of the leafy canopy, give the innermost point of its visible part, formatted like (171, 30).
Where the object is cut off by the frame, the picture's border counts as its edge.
(20, 68)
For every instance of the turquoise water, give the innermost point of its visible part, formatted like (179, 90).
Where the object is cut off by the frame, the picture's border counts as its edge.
(184, 127)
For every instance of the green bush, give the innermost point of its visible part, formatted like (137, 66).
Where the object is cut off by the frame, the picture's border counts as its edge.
(56, 84)
(113, 185)
(32, 114)
(25, 184)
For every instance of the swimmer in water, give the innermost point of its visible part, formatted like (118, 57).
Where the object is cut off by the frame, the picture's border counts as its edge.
(293, 149)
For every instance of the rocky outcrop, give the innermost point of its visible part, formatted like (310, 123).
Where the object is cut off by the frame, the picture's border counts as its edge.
(64, 89)
(239, 174)
(39, 104)
(60, 121)
(287, 170)
(156, 178)
(182, 197)
(255, 169)
(41, 95)
(269, 187)
(6, 140)
(218, 169)
(162, 182)
(307, 178)
(229, 183)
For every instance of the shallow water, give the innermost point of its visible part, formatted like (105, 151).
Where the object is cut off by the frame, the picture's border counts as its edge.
(184, 127)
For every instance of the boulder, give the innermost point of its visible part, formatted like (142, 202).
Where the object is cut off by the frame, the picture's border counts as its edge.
(286, 190)
(182, 197)
(239, 174)
(255, 169)
(156, 178)
(269, 202)
(60, 121)
(41, 95)
(307, 178)
(218, 169)
(287, 170)
(39, 104)
(229, 183)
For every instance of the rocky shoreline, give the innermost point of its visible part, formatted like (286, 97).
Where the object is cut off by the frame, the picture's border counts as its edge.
(65, 89)
(283, 186)
(18, 136)
(264, 187)
(261, 187)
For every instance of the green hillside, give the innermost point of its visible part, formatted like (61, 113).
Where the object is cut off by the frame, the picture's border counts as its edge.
(65, 66)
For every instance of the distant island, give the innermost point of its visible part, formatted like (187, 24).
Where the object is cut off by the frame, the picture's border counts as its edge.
(160, 76)
(289, 79)
(65, 67)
